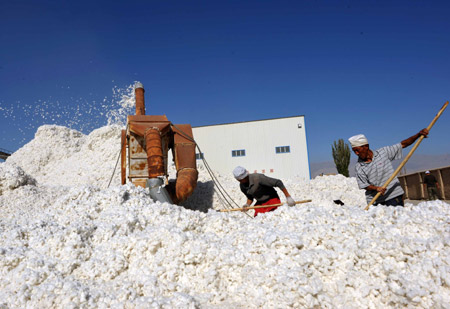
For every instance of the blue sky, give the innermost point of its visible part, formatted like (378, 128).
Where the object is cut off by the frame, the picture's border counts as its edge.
(375, 67)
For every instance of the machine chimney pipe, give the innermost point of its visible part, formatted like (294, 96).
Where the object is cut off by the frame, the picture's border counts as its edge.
(140, 103)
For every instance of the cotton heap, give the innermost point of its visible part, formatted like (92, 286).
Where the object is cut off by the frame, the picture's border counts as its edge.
(69, 240)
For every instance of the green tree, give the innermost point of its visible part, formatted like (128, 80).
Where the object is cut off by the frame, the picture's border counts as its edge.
(341, 156)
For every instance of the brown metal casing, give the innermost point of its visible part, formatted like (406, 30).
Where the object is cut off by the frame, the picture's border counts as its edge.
(149, 139)
(140, 102)
(184, 157)
(184, 147)
(137, 158)
(153, 146)
(137, 152)
(147, 118)
(185, 184)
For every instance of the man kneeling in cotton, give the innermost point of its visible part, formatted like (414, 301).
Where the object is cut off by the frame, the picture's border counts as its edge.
(374, 168)
(260, 187)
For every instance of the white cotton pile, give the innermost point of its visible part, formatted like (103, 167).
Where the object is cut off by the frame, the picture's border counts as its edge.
(62, 156)
(13, 177)
(69, 241)
(321, 190)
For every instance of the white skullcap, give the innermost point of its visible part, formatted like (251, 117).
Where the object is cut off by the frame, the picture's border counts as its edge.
(358, 140)
(240, 173)
(427, 172)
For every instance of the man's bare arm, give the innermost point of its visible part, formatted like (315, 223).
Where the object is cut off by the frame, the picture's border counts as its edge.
(375, 188)
(405, 143)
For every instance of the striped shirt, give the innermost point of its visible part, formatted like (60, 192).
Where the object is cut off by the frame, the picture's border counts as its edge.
(378, 171)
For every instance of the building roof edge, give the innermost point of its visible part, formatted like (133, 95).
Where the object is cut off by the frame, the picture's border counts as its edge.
(220, 124)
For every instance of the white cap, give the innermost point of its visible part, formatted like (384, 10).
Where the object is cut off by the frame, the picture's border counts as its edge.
(358, 140)
(427, 172)
(240, 173)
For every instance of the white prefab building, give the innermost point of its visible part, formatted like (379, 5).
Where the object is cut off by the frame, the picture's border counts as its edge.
(275, 147)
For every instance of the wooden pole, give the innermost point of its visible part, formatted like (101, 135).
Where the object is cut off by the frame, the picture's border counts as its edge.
(419, 140)
(441, 184)
(422, 189)
(406, 187)
(261, 206)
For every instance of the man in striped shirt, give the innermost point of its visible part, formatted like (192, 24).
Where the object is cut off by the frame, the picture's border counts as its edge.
(374, 168)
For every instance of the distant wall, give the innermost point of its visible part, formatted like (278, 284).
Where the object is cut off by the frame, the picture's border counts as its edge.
(413, 184)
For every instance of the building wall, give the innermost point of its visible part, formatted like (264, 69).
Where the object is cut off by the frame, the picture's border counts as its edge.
(413, 184)
(258, 139)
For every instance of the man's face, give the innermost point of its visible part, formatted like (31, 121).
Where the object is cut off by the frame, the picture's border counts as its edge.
(362, 152)
(245, 180)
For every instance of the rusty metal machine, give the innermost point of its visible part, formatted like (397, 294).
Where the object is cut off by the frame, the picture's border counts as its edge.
(144, 154)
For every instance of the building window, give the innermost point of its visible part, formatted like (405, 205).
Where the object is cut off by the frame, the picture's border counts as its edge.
(282, 149)
(199, 156)
(238, 153)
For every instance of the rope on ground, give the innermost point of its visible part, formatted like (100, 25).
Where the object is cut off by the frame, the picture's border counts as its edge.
(117, 161)
(225, 199)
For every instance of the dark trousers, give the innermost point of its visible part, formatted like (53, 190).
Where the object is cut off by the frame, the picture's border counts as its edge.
(396, 201)
(432, 193)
